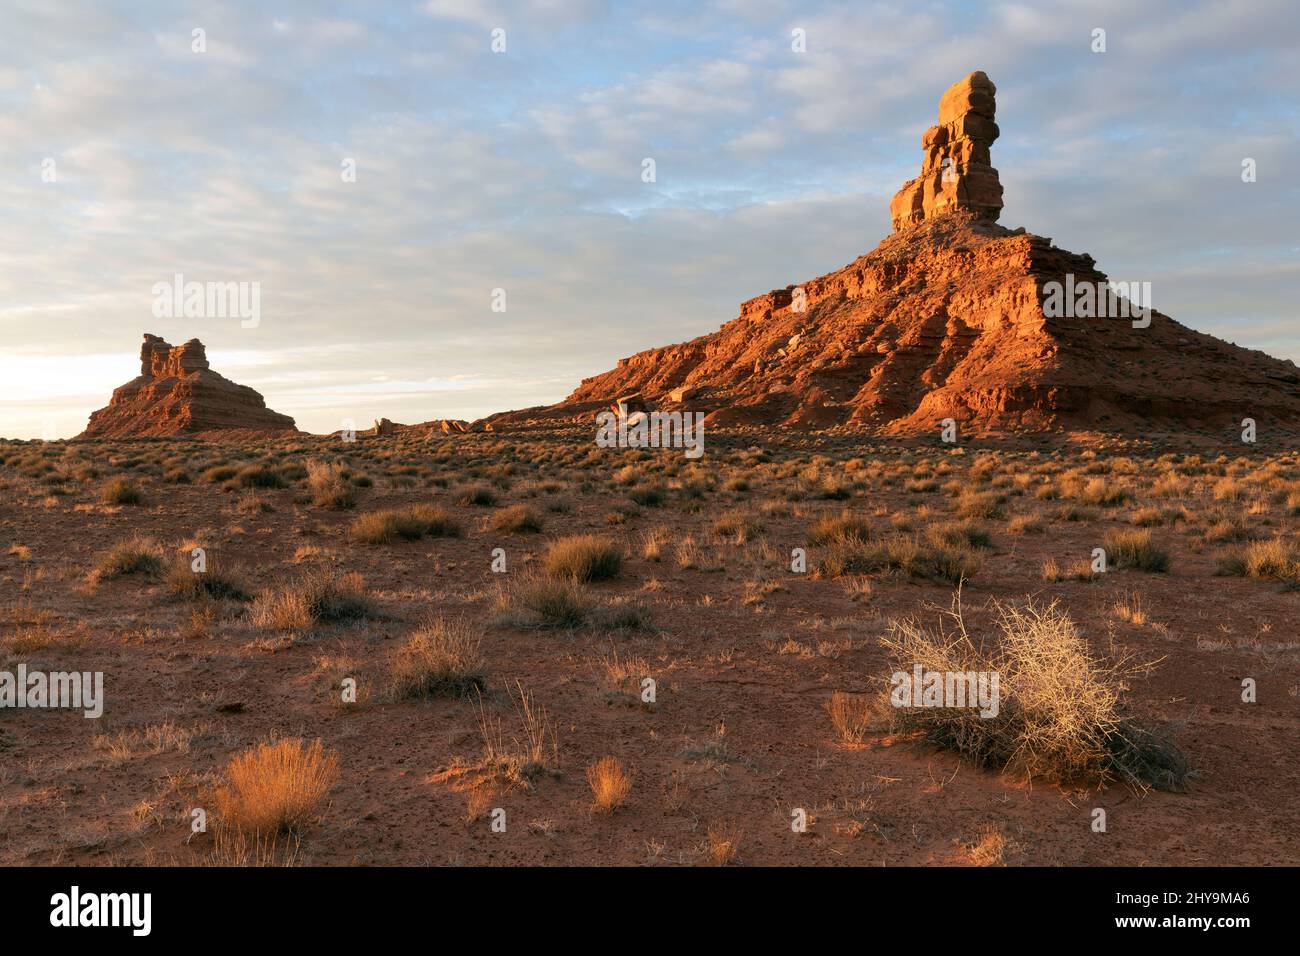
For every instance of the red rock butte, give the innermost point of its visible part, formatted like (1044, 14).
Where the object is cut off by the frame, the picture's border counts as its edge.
(946, 318)
(177, 393)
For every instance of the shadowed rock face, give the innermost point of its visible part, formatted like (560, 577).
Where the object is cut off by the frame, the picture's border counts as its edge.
(946, 318)
(177, 393)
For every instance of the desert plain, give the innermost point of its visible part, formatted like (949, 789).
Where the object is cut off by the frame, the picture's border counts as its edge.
(442, 638)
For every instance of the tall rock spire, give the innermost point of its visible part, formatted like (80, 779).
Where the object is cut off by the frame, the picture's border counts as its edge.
(956, 172)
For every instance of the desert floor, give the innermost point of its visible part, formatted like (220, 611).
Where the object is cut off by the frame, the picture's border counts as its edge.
(744, 653)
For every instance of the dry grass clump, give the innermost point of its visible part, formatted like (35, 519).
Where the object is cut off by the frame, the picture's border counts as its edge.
(233, 848)
(257, 476)
(1105, 493)
(1135, 549)
(1271, 559)
(278, 787)
(978, 504)
(215, 581)
(330, 489)
(121, 491)
(1149, 517)
(958, 534)
(989, 849)
(937, 561)
(722, 845)
(609, 783)
(845, 527)
(521, 758)
(1128, 608)
(517, 519)
(1059, 712)
(736, 525)
(1026, 524)
(479, 495)
(321, 595)
(1170, 485)
(409, 523)
(537, 601)
(135, 555)
(852, 716)
(583, 558)
(441, 659)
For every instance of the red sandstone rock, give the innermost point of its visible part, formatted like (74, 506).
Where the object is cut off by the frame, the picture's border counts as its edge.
(177, 393)
(956, 172)
(946, 319)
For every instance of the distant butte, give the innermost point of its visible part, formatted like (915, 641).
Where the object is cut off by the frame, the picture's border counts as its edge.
(176, 393)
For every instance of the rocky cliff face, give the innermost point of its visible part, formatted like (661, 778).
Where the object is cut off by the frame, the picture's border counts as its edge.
(177, 393)
(953, 316)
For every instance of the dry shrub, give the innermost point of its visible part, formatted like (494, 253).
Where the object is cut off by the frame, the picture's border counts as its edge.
(277, 787)
(722, 846)
(479, 495)
(329, 488)
(841, 529)
(234, 848)
(1170, 485)
(734, 524)
(520, 758)
(852, 716)
(215, 581)
(950, 564)
(410, 523)
(533, 601)
(1135, 549)
(1026, 524)
(609, 783)
(1059, 712)
(1099, 491)
(120, 492)
(320, 595)
(583, 558)
(136, 555)
(441, 659)
(1269, 559)
(517, 519)
(989, 849)
(978, 504)
(1128, 608)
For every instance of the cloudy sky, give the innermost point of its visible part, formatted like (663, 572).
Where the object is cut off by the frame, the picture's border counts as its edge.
(129, 157)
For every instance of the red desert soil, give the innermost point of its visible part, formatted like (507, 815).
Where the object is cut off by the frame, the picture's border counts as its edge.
(744, 652)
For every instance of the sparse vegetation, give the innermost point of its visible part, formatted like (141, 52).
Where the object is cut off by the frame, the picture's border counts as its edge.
(318, 596)
(1135, 549)
(277, 787)
(441, 659)
(583, 558)
(609, 783)
(136, 555)
(1060, 715)
(410, 523)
